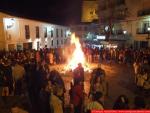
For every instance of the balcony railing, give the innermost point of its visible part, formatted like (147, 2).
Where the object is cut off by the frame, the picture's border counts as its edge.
(142, 31)
(118, 32)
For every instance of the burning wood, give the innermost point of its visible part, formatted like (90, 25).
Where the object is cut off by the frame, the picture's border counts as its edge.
(77, 55)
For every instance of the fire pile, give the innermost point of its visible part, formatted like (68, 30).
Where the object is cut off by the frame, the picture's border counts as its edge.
(77, 55)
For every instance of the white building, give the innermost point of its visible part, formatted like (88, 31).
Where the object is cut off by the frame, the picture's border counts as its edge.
(128, 19)
(19, 33)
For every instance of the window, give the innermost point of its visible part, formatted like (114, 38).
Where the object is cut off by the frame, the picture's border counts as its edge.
(37, 32)
(143, 29)
(65, 33)
(57, 42)
(57, 33)
(27, 32)
(51, 33)
(38, 45)
(61, 33)
(145, 26)
(65, 41)
(45, 32)
(52, 43)
(61, 41)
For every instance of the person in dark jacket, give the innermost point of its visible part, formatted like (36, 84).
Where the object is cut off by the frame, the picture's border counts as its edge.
(78, 74)
(8, 77)
(44, 99)
(121, 103)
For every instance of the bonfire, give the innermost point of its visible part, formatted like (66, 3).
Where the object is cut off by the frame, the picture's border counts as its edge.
(77, 55)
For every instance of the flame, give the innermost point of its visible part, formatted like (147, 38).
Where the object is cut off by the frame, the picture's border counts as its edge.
(77, 56)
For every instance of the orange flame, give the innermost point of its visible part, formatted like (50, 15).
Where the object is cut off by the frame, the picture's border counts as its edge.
(77, 56)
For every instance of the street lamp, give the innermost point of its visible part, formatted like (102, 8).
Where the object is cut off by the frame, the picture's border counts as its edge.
(124, 32)
(148, 29)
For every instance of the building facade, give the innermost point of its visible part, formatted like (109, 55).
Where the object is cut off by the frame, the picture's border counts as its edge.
(19, 33)
(127, 19)
(89, 10)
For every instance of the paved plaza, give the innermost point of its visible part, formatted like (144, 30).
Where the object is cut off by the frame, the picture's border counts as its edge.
(120, 78)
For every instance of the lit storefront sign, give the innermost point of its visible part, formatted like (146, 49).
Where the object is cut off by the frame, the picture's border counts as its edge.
(9, 22)
(100, 37)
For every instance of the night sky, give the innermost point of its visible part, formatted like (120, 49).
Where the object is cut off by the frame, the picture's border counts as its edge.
(64, 12)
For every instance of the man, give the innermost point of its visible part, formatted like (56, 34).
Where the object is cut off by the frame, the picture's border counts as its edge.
(77, 97)
(18, 72)
(78, 74)
(44, 98)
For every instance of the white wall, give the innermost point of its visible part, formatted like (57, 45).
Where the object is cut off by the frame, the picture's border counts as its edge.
(17, 33)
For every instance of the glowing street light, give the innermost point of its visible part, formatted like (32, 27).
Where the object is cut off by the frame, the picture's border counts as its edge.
(124, 32)
(68, 32)
(148, 29)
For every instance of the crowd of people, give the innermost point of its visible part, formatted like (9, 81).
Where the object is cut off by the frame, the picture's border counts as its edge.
(28, 73)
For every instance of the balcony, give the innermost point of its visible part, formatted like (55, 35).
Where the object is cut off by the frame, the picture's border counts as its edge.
(118, 32)
(142, 31)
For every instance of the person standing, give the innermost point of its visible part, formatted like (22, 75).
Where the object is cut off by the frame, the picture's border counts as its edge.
(78, 74)
(18, 73)
(8, 78)
(77, 97)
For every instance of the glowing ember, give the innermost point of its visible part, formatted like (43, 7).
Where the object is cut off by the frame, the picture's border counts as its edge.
(77, 55)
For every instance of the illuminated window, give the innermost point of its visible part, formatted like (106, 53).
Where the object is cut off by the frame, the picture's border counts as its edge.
(37, 32)
(27, 32)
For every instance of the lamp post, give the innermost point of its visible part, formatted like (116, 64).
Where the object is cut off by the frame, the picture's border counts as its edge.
(124, 36)
(124, 32)
(148, 29)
